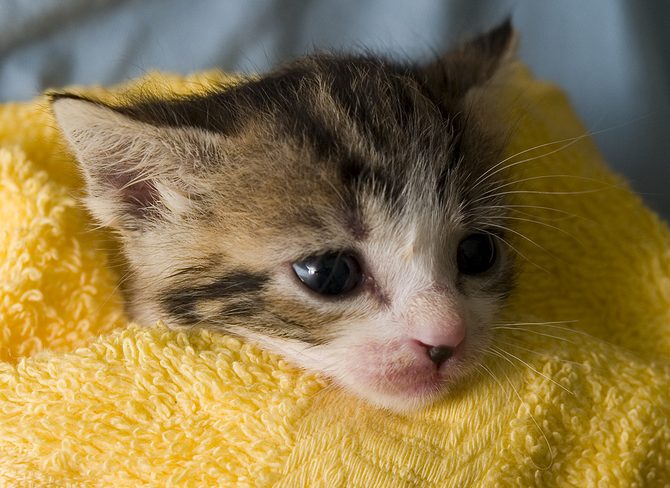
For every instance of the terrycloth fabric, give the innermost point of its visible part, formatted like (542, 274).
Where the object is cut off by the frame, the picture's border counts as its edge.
(584, 402)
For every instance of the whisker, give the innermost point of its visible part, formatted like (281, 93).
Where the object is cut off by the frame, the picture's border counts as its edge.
(520, 253)
(502, 351)
(569, 141)
(485, 368)
(542, 433)
(538, 222)
(515, 207)
(552, 218)
(542, 354)
(540, 177)
(496, 167)
(519, 329)
(523, 236)
(538, 192)
(551, 322)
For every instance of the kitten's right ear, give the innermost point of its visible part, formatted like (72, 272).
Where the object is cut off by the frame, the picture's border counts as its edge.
(128, 165)
(451, 76)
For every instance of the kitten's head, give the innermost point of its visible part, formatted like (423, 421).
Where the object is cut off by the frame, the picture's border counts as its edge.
(341, 211)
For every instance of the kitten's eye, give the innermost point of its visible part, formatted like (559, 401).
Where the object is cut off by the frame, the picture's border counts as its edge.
(476, 254)
(329, 274)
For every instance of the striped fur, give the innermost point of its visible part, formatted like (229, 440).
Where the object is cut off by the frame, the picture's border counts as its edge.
(214, 196)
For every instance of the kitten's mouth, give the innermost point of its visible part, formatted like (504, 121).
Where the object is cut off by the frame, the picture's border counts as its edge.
(407, 379)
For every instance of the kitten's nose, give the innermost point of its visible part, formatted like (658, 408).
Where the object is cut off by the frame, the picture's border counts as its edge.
(440, 346)
(439, 354)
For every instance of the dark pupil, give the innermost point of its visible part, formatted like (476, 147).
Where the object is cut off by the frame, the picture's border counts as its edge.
(476, 254)
(329, 274)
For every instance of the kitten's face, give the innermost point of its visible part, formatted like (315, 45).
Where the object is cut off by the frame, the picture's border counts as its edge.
(340, 211)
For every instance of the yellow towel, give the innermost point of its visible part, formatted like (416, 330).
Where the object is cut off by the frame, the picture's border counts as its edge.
(585, 401)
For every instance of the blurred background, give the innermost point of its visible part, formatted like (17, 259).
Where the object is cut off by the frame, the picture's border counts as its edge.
(613, 57)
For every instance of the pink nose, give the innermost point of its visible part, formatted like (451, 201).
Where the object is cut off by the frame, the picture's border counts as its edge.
(441, 345)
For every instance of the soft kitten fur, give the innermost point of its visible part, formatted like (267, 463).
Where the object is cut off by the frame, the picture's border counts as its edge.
(215, 196)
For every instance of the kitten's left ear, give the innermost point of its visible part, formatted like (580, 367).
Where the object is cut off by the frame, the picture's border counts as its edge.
(469, 65)
(135, 171)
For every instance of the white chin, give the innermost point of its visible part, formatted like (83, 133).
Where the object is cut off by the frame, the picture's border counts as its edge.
(398, 402)
(393, 397)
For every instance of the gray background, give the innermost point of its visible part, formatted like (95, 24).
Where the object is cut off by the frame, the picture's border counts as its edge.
(613, 57)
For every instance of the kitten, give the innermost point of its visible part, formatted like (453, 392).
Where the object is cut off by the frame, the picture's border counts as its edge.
(337, 211)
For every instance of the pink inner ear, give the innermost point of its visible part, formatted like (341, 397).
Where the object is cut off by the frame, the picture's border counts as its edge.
(138, 192)
(143, 196)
